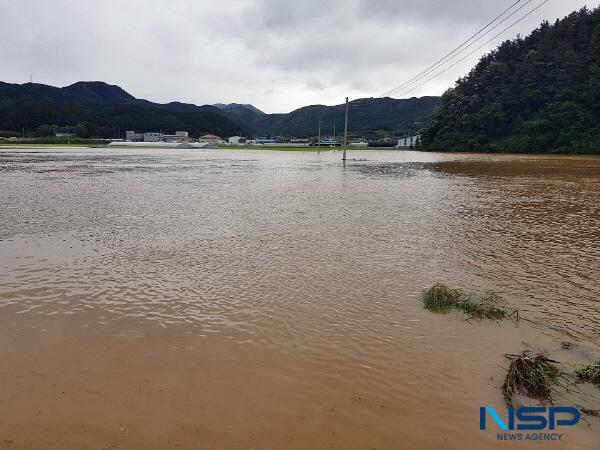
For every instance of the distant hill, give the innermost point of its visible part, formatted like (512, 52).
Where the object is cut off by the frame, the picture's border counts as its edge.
(540, 94)
(233, 107)
(88, 92)
(367, 116)
(247, 116)
(102, 110)
(105, 110)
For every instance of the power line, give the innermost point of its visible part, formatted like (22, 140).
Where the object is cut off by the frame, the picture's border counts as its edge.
(404, 91)
(462, 47)
(456, 49)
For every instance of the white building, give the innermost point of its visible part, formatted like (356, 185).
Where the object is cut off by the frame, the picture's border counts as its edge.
(179, 136)
(153, 137)
(237, 140)
(408, 142)
(133, 136)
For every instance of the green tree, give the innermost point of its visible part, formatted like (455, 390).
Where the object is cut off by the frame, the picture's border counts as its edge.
(44, 131)
(84, 130)
(540, 93)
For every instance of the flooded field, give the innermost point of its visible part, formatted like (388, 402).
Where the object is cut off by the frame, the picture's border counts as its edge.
(273, 300)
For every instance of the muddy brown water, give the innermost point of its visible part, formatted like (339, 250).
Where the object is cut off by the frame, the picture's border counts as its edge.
(272, 300)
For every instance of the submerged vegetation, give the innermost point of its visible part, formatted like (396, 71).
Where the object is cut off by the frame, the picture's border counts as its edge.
(534, 377)
(487, 306)
(590, 373)
(441, 298)
(537, 376)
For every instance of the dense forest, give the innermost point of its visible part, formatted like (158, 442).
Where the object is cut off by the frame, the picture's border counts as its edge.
(537, 94)
(97, 109)
(42, 119)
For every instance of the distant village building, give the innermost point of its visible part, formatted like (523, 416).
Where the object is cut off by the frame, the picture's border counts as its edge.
(328, 142)
(408, 142)
(236, 140)
(211, 139)
(133, 136)
(153, 137)
(179, 136)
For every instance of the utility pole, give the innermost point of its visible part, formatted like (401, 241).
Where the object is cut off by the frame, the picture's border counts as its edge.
(319, 141)
(334, 138)
(345, 131)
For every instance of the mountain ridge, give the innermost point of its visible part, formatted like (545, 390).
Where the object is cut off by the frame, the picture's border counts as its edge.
(98, 109)
(369, 116)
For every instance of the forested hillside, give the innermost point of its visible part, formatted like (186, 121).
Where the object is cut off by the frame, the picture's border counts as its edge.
(368, 117)
(96, 109)
(537, 94)
(106, 121)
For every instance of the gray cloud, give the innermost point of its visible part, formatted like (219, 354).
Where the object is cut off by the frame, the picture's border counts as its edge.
(276, 54)
(465, 11)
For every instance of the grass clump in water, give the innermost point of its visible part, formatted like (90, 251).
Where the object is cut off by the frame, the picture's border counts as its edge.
(534, 377)
(590, 373)
(488, 306)
(441, 298)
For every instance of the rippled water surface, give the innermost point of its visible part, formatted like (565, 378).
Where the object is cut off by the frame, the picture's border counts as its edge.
(320, 262)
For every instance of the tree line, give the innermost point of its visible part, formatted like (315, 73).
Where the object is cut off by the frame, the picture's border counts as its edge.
(45, 119)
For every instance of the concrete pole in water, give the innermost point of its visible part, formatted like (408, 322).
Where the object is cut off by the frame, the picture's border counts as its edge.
(319, 141)
(345, 132)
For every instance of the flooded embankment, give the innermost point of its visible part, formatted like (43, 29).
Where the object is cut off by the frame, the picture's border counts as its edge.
(160, 299)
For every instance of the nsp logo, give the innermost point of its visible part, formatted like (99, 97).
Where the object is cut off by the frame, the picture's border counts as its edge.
(531, 418)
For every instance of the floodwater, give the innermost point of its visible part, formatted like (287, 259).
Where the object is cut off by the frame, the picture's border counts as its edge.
(272, 300)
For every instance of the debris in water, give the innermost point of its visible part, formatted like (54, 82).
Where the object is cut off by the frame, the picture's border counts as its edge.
(567, 345)
(441, 298)
(590, 373)
(530, 376)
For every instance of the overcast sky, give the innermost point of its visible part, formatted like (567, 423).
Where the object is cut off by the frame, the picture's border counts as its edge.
(275, 54)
